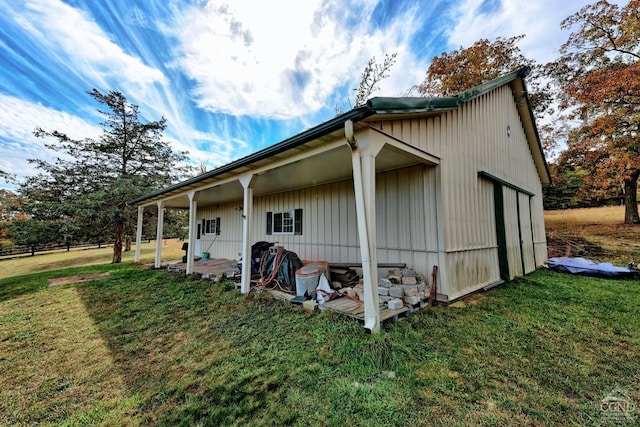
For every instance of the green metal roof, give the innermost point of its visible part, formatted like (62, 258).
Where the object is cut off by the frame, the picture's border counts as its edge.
(416, 104)
(377, 105)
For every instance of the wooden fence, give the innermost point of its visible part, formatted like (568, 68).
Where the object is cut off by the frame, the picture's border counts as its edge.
(22, 250)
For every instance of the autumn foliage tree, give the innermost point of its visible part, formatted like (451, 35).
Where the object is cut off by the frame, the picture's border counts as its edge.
(10, 211)
(453, 72)
(599, 76)
(456, 71)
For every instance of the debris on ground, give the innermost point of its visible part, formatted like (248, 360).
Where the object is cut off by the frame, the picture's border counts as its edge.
(589, 267)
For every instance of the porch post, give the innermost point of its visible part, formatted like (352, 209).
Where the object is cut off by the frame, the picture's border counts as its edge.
(193, 210)
(158, 262)
(363, 158)
(247, 182)
(139, 233)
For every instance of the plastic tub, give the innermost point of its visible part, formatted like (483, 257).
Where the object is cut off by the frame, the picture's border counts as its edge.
(307, 276)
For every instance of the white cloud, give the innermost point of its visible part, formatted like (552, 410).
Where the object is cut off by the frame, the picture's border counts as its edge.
(20, 119)
(72, 37)
(278, 59)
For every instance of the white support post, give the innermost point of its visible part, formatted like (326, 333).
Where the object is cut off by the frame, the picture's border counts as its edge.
(158, 262)
(139, 232)
(371, 300)
(363, 158)
(191, 248)
(247, 182)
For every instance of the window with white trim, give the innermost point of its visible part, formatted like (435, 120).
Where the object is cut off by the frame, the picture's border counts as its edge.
(285, 222)
(211, 225)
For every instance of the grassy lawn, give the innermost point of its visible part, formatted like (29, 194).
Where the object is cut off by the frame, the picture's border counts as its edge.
(171, 250)
(146, 347)
(155, 348)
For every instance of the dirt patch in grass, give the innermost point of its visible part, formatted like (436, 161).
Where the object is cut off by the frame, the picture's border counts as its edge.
(568, 245)
(59, 281)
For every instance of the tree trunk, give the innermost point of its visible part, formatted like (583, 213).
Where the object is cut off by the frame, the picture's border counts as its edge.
(118, 230)
(127, 243)
(631, 200)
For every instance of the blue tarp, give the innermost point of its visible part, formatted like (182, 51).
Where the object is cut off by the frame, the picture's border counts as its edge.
(587, 267)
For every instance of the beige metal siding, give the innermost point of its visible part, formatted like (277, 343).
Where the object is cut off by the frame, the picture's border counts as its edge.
(405, 214)
(487, 135)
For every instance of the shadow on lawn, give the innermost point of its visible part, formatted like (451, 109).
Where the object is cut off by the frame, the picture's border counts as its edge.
(169, 339)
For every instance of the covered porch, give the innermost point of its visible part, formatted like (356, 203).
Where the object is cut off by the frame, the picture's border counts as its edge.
(339, 151)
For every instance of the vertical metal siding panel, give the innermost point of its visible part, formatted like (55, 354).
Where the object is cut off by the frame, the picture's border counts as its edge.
(336, 221)
(389, 224)
(512, 233)
(354, 243)
(418, 216)
(344, 221)
(526, 231)
(304, 205)
(383, 216)
(431, 216)
(392, 207)
(322, 222)
(314, 223)
(539, 236)
(404, 199)
(422, 140)
(384, 223)
(331, 226)
(449, 182)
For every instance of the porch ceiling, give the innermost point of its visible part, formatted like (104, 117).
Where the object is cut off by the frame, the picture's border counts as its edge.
(325, 167)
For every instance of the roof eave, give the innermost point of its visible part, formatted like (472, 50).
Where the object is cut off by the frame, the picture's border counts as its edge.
(322, 129)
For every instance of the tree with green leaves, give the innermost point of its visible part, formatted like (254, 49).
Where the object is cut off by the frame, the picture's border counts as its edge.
(598, 73)
(84, 191)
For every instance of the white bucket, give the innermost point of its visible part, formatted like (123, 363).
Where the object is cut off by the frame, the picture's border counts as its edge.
(308, 276)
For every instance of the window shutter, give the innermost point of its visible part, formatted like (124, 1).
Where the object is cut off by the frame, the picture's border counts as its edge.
(297, 221)
(204, 226)
(218, 225)
(269, 223)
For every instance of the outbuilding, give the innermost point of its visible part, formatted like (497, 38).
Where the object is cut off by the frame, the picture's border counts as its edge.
(453, 182)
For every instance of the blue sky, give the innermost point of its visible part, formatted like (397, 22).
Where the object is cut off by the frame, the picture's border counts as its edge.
(230, 77)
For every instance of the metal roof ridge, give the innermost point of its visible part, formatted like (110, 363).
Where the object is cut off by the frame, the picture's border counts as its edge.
(418, 104)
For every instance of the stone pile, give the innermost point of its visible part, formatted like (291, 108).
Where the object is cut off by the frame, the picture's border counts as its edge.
(400, 287)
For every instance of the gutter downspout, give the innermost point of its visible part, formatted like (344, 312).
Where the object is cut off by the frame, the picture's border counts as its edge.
(372, 314)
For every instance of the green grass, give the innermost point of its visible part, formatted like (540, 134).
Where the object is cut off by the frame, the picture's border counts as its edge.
(153, 348)
(171, 250)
